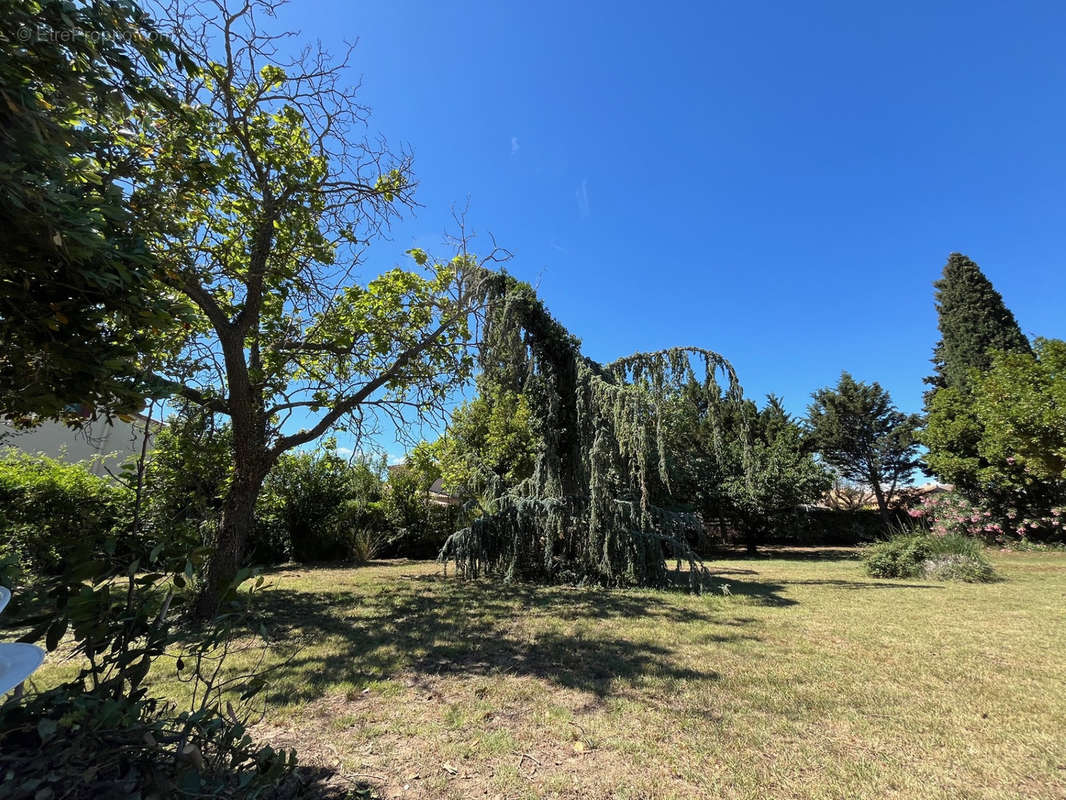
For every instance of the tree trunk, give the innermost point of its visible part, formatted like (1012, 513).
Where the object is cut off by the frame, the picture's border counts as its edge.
(238, 516)
(752, 536)
(882, 503)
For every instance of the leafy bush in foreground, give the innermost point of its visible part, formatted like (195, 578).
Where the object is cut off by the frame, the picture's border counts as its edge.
(103, 733)
(88, 745)
(919, 555)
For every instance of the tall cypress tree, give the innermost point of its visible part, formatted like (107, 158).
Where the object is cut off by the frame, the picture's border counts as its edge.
(973, 320)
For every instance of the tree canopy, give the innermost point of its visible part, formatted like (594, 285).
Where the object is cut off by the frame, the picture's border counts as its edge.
(858, 430)
(588, 511)
(973, 320)
(80, 301)
(781, 474)
(273, 198)
(489, 441)
(974, 325)
(748, 469)
(1002, 439)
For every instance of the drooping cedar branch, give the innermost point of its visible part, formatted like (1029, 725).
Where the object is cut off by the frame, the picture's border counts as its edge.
(588, 513)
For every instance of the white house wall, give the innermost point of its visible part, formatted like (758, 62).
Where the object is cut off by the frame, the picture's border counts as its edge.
(105, 446)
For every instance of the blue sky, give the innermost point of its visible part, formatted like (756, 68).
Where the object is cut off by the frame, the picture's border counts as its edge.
(780, 182)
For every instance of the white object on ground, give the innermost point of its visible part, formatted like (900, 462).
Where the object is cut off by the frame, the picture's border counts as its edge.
(18, 661)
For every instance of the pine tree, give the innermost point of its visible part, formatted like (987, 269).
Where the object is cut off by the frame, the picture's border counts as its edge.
(973, 320)
(859, 431)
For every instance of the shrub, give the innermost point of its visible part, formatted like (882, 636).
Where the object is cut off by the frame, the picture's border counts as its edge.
(367, 544)
(186, 477)
(269, 541)
(957, 567)
(103, 733)
(899, 557)
(841, 528)
(87, 745)
(1000, 437)
(315, 505)
(950, 513)
(418, 527)
(51, 512)
(914, 554)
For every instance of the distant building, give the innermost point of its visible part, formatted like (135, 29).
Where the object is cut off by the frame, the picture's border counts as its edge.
(436, 494)
(850, 497)
(932, 488)
(104, 446)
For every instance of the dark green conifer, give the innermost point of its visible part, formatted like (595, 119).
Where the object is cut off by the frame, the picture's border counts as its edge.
(973, 320)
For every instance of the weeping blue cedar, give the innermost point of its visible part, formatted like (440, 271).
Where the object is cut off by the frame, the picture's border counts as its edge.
(586, 515)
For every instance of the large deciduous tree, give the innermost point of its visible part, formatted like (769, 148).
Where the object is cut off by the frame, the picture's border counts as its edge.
(275, 197)
(80, 305)
(858, 430)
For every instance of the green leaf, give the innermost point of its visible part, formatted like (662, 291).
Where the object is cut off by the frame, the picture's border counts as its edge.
(46, 728)
(55, 633)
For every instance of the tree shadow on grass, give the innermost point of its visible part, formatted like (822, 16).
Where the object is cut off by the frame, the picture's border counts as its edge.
(725, 583)
(323, 783)
(862, 584)
(786, 553)
(430, 625)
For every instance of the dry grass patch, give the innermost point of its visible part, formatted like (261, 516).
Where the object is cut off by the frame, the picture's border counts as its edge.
(800, 677)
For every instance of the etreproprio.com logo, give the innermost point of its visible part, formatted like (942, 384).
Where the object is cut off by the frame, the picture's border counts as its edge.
(27, 34)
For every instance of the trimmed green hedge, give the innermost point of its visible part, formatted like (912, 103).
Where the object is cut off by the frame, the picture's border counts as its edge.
(51, 512)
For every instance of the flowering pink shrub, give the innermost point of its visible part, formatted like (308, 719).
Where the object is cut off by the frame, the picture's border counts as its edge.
(951, 513)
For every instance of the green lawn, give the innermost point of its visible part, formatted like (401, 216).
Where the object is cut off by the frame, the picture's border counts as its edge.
(801, 677)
